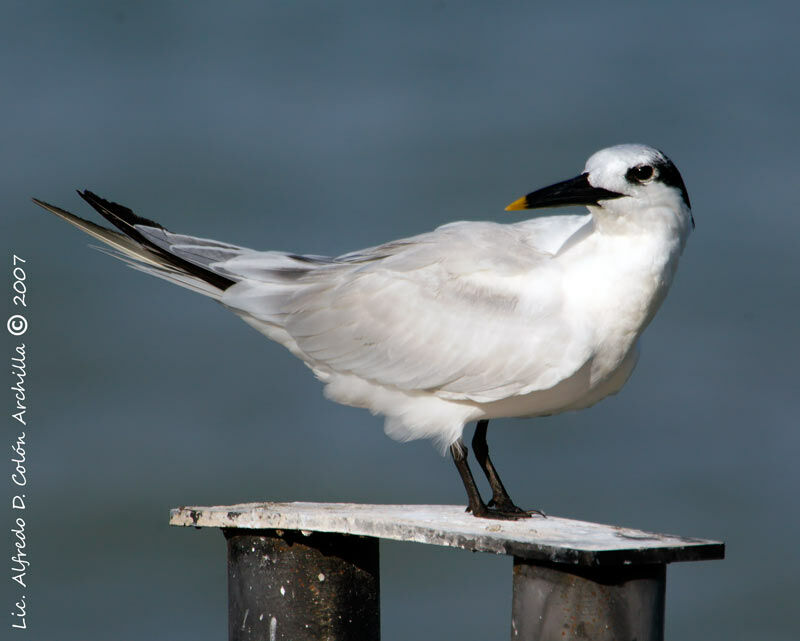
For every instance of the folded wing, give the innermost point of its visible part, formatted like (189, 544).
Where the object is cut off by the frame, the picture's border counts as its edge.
(468, 312)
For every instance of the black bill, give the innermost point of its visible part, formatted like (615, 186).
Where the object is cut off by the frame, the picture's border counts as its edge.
(575, 191)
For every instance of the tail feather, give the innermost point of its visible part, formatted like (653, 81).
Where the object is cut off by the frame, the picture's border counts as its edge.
(114, 239)
(144, 244)
(128, 223)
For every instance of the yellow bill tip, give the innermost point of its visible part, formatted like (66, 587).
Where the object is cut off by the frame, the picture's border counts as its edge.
(518, 204)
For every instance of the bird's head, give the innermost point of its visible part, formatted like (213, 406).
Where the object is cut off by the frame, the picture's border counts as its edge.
(623, 184)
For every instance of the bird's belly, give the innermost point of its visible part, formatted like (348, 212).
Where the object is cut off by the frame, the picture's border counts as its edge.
(578, 391)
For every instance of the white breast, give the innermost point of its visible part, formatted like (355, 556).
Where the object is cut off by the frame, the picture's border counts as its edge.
(614, 285)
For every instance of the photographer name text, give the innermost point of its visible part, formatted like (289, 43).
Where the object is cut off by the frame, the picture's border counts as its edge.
(17, 325)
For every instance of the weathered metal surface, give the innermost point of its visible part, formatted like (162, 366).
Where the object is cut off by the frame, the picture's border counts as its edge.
(550, 539)
(555, 602)
(284, 585)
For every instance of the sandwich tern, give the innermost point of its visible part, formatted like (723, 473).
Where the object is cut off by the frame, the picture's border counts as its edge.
(469, 322)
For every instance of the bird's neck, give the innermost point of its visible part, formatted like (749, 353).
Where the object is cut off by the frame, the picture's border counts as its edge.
(661, 224)
(620, 276)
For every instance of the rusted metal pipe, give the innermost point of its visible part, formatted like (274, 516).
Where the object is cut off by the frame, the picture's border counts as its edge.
(562, 602)
(293, 585)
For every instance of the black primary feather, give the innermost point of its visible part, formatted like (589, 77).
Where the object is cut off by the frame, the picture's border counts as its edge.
(126, 221)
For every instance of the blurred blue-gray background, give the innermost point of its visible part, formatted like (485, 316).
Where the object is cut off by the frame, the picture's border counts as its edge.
(322, 129)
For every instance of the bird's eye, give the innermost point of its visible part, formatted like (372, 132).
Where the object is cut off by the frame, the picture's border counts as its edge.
(641, 173)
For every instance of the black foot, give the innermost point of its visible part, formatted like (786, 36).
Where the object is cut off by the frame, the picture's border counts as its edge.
(508, 507)
(500, 507)
(501, 514)
(500, 501)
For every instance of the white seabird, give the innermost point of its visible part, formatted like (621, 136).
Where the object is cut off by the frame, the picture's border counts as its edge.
(469, 322)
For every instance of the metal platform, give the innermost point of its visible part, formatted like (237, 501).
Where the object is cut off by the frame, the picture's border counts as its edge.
(551, 539)
(311, 570)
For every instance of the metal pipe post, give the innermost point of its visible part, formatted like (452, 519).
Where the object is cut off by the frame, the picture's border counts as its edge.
(287, 584)
(560, 602)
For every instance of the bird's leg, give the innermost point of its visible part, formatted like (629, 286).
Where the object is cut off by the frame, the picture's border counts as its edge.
(459, 453)
(500, 498)
(480, 448)
(476, 505)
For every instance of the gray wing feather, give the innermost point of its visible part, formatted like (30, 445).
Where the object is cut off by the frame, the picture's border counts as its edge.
(382, 313)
